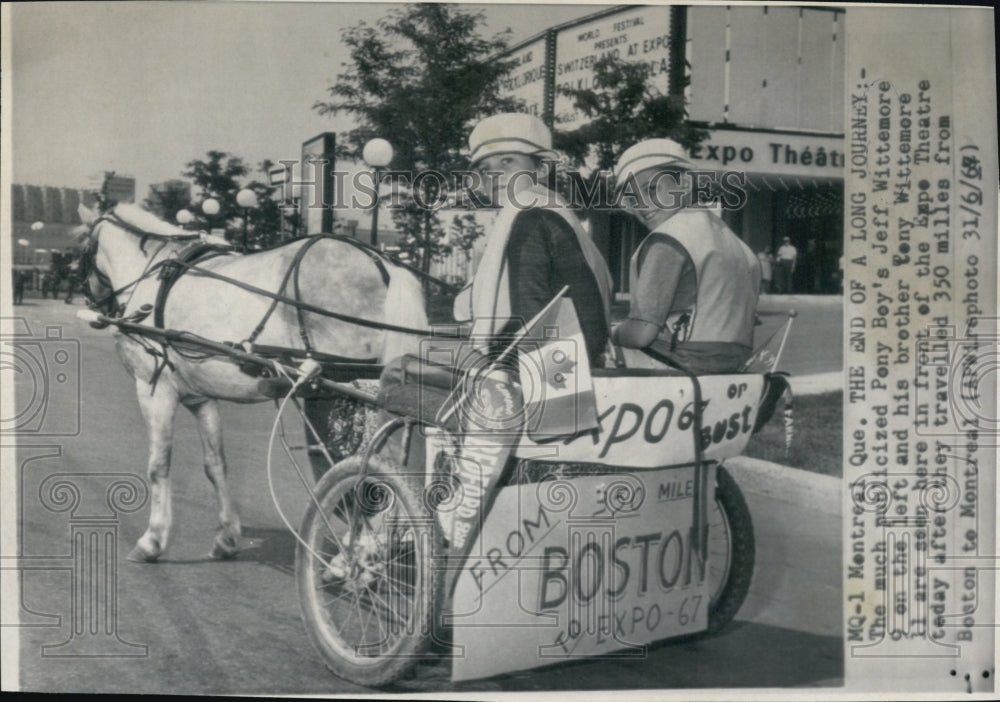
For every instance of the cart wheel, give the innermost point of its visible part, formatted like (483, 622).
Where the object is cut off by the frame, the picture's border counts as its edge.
(731, 551)
(368, 598)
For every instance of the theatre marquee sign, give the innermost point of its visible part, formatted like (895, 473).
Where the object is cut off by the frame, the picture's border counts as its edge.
(771, 153)
(563, 58)
(640, 35)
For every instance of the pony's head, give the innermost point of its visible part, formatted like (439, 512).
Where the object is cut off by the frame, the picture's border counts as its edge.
(130, 228)
(98, 290)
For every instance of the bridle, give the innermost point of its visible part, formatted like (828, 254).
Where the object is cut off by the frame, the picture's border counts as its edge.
(99, 292)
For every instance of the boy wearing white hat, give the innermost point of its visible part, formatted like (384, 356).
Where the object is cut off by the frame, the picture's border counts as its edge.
(694, 283)
(537, 245)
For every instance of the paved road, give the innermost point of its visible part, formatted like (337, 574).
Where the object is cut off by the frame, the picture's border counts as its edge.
(815, 341)
(234, 627)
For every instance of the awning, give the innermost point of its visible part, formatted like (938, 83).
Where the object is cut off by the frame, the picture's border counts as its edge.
(756, 182)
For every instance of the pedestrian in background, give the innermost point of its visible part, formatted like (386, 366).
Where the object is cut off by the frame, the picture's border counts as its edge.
(785, 266)
(20, 279)
(766, 259)
(72, 270)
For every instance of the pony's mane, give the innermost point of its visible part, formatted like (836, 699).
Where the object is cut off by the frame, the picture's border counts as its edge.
(138, 218)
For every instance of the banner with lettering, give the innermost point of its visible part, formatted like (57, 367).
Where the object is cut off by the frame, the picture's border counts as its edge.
(648, 422)
(640, 35)
(592, 566)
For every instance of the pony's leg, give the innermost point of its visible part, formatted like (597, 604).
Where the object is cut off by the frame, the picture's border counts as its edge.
(227, 540)
(158, 409)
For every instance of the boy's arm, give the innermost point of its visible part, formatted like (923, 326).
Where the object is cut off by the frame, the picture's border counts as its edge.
(653, 295)
(529, 260)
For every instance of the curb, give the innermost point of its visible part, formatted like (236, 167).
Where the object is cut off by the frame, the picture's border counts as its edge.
(793, 485)
(817, 383)
(773, 301)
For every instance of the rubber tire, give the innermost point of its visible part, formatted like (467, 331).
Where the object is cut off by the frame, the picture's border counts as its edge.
(383, 669)
(729, 498)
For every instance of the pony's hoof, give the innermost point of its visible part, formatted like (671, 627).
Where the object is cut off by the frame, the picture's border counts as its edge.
(224, 550)
(140, 555)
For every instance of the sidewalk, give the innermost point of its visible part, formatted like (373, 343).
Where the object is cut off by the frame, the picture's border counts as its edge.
(815, 342)
(796, 518)
(817, 383)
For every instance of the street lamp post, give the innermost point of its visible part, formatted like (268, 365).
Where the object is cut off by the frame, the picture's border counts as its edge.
(36, 226)
(210, 206)
(290, 214)
(184, 217)
(377, 154)
(247, 199)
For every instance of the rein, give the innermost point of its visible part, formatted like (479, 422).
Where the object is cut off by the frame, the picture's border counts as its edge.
(108, 301)
(278, 297)
(306, 307)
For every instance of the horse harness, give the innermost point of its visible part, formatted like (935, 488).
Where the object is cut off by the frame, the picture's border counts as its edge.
(172, 269)
(187, 259)
(293, 274)
(109, 301)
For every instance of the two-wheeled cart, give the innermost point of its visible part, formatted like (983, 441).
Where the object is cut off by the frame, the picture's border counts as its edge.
(503, 547)
(507, 550)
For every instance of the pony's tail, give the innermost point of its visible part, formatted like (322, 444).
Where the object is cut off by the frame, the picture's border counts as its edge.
(404, 307)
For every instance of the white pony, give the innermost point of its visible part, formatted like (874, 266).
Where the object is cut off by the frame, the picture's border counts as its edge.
(125, 251)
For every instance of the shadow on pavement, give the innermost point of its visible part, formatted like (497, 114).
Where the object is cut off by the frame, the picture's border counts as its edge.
(274, 548)
(745, 655)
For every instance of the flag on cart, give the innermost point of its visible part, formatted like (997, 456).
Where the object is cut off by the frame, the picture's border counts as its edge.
(555, 375)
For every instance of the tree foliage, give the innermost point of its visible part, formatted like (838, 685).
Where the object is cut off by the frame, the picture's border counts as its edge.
(221, 176)
(621, 109)
(217, 177)
(265, 219)
(166, 202)
(465, 231)
(421, 78)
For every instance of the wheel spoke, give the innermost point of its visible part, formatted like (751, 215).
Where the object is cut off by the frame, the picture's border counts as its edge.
(362, 583)
(393, 619)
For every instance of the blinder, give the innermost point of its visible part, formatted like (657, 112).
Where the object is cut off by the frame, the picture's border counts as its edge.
(98, 291)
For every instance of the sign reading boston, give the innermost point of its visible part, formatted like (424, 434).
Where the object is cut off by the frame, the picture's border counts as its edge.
(595, 565)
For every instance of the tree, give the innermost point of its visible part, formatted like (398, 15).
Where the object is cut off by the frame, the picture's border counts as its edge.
(217, 178)
(420, 79)
(465, 231)
(621, 109)
(165, 200)
(264, 228)
(422, 237)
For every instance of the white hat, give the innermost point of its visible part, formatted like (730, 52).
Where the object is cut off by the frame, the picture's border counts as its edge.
(510, 133)
(650, 153)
